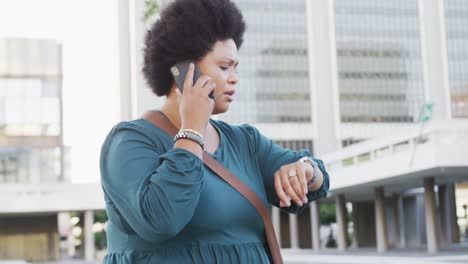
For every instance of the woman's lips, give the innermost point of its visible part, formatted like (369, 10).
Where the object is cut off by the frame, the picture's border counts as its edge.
(230, 95)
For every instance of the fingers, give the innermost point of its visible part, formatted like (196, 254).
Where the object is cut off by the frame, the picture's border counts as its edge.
(204, 85)
(201, 82)
(179, 94)
(188, 82)
(298, 189)
(291, 186)
(209, 87)
(301, 175)
(284, 199)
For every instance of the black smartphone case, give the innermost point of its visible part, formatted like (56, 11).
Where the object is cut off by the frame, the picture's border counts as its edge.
(179, 71)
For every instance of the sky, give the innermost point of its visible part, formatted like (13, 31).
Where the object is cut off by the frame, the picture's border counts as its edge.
(87, 29)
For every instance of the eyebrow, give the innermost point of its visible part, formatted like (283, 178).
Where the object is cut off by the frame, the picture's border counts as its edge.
(232, 61)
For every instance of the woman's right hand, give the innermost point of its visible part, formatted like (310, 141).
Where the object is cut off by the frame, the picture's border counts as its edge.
(195, 107)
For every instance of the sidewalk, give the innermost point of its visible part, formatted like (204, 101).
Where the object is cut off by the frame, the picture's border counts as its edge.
(370, 256)
(453, 255)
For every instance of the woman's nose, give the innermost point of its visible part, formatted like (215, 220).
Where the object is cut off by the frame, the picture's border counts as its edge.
(233, 78)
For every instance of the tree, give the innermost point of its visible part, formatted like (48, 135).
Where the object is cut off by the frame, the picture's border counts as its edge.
(152, 7)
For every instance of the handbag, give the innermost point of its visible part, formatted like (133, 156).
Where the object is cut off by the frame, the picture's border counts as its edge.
(160, 120)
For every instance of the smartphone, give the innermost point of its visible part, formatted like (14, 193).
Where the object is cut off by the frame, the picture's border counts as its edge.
(180, 70)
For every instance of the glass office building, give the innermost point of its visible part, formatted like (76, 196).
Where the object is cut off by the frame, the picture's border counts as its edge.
(273, 69)
(456, 21)
(379, 60)
(31, 148)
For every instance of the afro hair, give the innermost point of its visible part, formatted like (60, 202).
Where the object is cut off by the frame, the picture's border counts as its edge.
(188, 30)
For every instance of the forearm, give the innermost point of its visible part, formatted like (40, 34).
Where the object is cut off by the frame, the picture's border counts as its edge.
(173, 191)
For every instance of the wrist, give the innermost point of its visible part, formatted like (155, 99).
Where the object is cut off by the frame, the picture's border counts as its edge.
(315, 174)
(189, 134)
(196, 128)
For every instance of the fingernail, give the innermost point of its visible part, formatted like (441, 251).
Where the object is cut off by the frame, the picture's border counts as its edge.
(305, 190)
(305, 200)
(288, 204)
(300, 204)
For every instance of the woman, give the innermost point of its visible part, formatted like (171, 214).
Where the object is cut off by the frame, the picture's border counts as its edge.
(163, 204)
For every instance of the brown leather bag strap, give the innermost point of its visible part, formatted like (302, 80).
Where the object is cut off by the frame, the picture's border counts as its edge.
(159, 120)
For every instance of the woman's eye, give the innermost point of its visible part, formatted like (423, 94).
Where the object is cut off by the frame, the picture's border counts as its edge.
(223, 68)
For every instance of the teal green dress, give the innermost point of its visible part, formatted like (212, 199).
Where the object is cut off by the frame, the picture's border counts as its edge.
(165, 206)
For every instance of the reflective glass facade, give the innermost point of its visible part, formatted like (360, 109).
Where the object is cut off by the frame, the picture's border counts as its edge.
(30, 111)
(456, 27)
(378, 60)
(273, 70)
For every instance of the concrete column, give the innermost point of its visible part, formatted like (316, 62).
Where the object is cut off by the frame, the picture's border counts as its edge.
(293, 231)
(454, 229)
(323, 73)
(397, 223)
(431, 216)
(134, 95)
(89, 250)
(380, 221)
(275, 218)
(442, 196)
(342, 231)
(143, 97)
(124, 66)
(401, 220)
(355, 219)
(315, 225)
(449, 231)
(434, 56)
(53, 245)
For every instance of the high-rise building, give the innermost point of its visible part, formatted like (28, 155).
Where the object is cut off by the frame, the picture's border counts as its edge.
(456, 19)
(273, 67)
(31, 145)
(382, 71)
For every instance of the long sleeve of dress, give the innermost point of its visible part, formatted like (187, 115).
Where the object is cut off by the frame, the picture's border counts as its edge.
(271, 156)
(148, 190)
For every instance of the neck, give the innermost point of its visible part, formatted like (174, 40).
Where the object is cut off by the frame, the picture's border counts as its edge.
(171, 110)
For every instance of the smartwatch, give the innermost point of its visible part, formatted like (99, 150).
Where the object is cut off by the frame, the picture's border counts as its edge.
(315, 166)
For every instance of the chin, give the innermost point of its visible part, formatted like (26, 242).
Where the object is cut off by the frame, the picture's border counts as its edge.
(219, 109)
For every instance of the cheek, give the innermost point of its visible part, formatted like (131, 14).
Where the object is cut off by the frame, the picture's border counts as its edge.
(221, 81)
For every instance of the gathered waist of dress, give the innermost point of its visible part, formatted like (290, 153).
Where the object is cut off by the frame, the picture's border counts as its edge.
(118, 241)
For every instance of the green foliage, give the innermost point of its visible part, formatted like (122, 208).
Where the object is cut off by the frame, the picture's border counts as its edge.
(327, 213)
(152, 7)
(100, 216)
(331, 242)
(100, 240)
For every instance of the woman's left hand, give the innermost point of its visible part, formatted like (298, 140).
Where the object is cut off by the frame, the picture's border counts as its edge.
(291, 183)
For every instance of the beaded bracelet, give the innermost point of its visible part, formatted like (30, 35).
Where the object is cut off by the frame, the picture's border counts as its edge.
(185, 134)
(191, 130)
